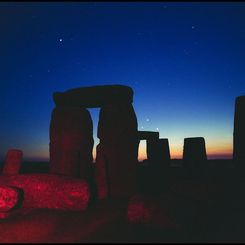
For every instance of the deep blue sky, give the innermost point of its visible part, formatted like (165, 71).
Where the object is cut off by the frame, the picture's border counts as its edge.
(184, 61)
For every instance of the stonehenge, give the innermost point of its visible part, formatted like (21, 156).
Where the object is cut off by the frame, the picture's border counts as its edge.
(115, 169)
(71, 140)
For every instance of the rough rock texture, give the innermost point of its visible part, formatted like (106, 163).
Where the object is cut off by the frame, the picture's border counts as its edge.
(10, 198)
(12, 161)
(194, 154)
(239, 132)
(95, 96)
(71, 142)
(50, 191)
(117, 153)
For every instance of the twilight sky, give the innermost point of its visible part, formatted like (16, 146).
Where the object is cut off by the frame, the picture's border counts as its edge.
(184, 61)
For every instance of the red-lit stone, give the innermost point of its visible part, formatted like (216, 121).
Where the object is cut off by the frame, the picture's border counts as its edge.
(50, 191)
(117, 154)
(71, 142)
(12, 161)
(152, 211)
(9, 198)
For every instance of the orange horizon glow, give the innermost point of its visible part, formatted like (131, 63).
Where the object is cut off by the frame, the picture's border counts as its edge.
(214, 151)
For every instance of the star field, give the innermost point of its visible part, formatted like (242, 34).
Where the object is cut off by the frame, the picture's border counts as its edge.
(184, 61)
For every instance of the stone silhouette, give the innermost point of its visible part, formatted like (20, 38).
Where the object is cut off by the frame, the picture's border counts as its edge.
(12, 163)
(239, 132)
(71, 137)
(148, 135)
(95, 96)
(194, 154)
(158, 151)
(71, 142)
(117, 152)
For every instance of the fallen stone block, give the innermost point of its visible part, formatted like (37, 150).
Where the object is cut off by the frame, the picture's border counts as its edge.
(50, 191)
(10, 198)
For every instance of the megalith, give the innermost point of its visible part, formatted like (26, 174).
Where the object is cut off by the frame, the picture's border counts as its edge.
(239, 132)
(158, 151)
(95, 96)
(117, 152)
(194, 153)
(71, 142)
(71, 137)
(12, 163)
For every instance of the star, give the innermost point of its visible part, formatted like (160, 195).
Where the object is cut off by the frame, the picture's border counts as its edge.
(192, 27)
(157, 129)
(61, 40)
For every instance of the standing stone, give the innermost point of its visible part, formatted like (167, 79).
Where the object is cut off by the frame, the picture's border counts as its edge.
(158, 151)
(194, 155)
(12, 162)
(117, 153)
(239, 132)
(71, 142)
(158, 158)
(101, 174)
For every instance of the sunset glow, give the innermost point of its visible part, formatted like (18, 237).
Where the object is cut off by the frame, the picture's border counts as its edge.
(184, 62)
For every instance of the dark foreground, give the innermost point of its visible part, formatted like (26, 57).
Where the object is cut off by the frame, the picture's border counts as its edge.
(206, 208)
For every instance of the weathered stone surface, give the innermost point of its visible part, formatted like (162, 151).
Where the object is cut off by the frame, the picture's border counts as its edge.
(147, 135)
(194, 154)
(12, 161)
(118, 150)
(71, 142)
(239, 132)
(50, 191)
(10, 198)
(95, 96)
